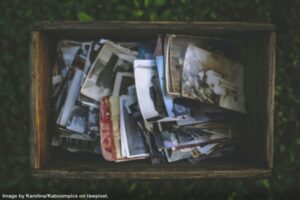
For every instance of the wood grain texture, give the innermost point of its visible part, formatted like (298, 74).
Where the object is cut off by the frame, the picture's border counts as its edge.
(153, 174)
(39, 102)
(270, 98)
(139, 31)
(170, 25)
(34, 145)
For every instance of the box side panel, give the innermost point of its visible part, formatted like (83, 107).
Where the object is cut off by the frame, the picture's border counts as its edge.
(270, 98)
(265, 96)
(34, 145)
(141, 25)
(154, 174)
(132, 30)
(39, 102)
(259, 86)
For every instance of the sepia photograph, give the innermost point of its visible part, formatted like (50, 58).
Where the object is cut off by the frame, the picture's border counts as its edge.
(214, 79)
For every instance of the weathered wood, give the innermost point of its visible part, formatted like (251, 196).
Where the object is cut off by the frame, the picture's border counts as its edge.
(34, 158)
(256, 155)
(259, 124)
(270, 98)
(153, 174)
(85, 161)
(128, 31)
(39, 93)
(142, 25)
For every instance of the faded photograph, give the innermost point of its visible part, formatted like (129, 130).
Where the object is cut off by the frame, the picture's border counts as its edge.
(213, 79)
(122, 81)
(176, 47)
(181, 137)
(134, 135)
(78, 120)
(175, 155)
(147, 88)
(110, 60)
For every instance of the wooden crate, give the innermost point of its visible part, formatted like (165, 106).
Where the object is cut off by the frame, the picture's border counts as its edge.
(255, 154)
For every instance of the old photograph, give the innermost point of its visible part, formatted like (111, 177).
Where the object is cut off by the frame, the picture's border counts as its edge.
(106, 130)
(110, 60)
(122, 81)
(176, 47)
(213, 79)
(135, 140)
(148, 92)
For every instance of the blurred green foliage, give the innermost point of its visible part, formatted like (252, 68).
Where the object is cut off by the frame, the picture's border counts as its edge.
(15, 20)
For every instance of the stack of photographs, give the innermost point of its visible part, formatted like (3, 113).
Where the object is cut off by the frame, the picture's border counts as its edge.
(174, 98)
(77, 117)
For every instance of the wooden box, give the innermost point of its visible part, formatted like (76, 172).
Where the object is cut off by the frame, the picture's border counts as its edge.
(255, 158)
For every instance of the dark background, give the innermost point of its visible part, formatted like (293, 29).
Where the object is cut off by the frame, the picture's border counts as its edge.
(16, 18)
